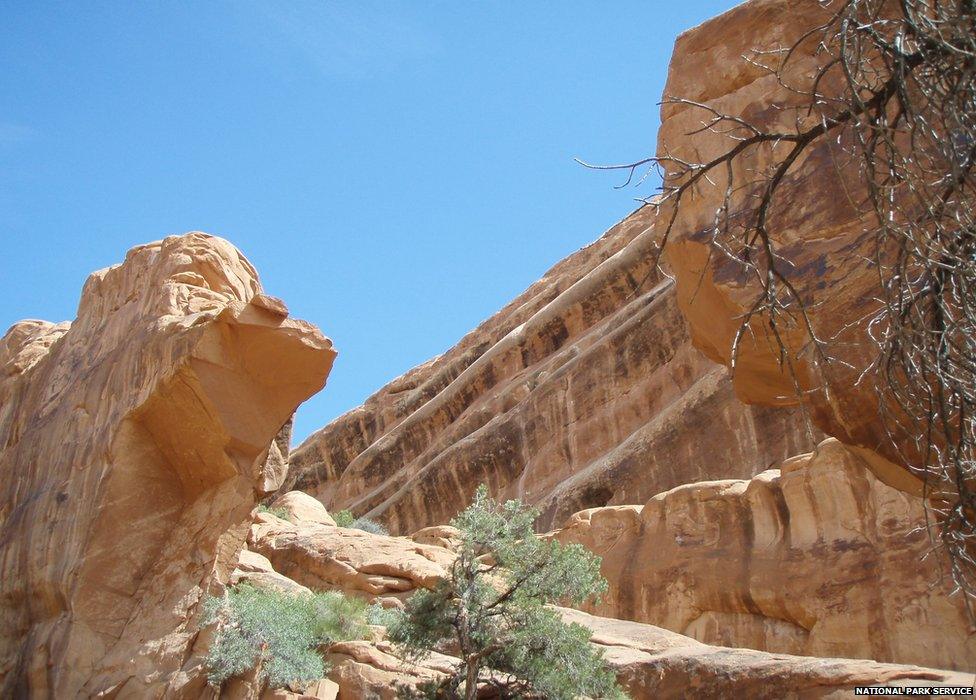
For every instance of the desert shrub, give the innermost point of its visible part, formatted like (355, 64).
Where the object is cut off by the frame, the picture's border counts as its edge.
(345, 518)
(339, 618)
(493, 607)
(369, 525)
(376, 614)
(278, 512)
(277, 633)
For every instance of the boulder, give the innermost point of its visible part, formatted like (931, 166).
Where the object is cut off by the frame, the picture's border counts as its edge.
(256, 570)
(820, 234)
(358, 563)
(300, 507)
(441, 535)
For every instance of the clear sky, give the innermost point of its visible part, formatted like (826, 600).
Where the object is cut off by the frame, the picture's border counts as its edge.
(396, 171)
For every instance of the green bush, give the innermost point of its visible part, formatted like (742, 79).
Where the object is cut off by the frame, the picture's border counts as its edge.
(277, 633)
(345, 518)
(368, 525)
(340, 618)
(278, 512)
(376, 614)
(493, 607)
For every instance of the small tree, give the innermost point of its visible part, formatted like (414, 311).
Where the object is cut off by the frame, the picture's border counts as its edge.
(492, 609)
(277, 634)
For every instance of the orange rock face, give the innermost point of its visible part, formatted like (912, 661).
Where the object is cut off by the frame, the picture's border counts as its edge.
(583, 391)
(650, 662)
(653, 663)
(325, 557)
(133, 446)
(819, 232)
(817, 558)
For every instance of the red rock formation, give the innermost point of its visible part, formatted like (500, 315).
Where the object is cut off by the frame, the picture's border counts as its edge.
(817, 229)
(817, 558)
(135, 442)
(583, 391)
(322, 556)
(650, 662)
(133, 446)
(586, 391)
(653, 663)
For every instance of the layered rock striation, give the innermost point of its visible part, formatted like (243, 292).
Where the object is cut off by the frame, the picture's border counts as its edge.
(134, 443)
(592, 391)
(584, 391)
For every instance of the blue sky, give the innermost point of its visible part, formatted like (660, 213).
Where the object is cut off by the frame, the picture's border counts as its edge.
(397, 171)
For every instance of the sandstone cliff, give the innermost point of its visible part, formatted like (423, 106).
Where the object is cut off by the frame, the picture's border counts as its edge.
(817, 557)
(819, 227)
(583, 391)
(135, 442)
(133, 446)
(589, 390)
(820, 557)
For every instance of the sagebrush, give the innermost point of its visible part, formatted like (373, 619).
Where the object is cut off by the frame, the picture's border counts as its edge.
(277, 634)
(277, 512)
(345, 518)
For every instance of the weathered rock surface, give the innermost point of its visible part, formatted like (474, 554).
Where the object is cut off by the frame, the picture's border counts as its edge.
(298, 506)
(817, 227)
(655, 663)
(650, 662)
(817, 558)
(374, 670)
(583, 391)
(323, 557)
(255, 569)
(276, 465)
(133, 445)
(441, 535)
